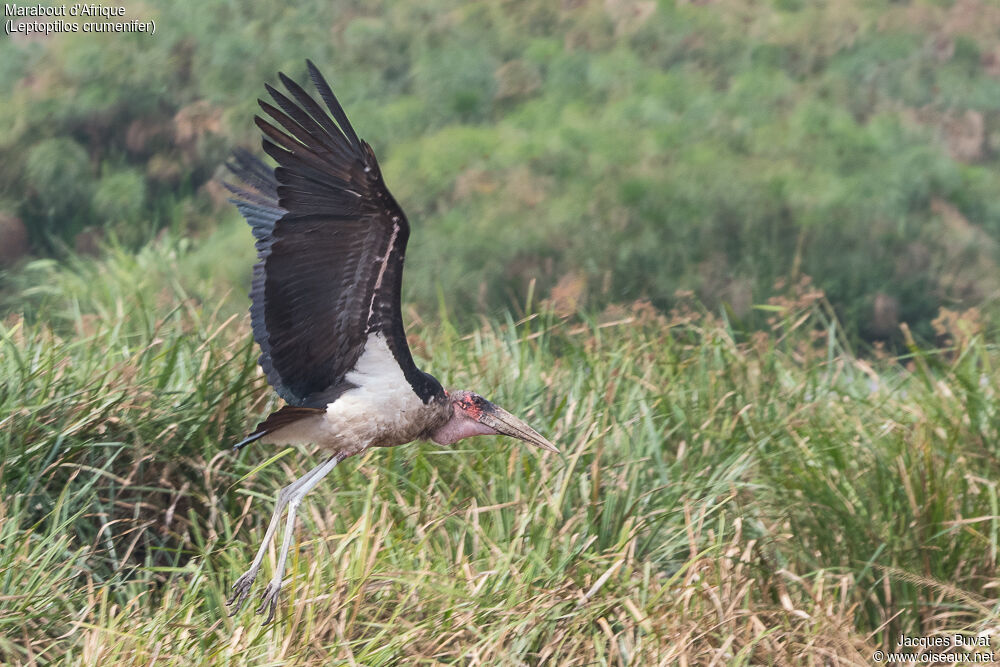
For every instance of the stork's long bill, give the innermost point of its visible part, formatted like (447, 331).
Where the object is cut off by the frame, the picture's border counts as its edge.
(325, 305)
(505, 423)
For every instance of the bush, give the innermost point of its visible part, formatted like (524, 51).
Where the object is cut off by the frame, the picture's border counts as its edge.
(119, 203)
(58, 175)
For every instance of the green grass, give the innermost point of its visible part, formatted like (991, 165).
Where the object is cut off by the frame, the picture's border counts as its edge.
(720, 496)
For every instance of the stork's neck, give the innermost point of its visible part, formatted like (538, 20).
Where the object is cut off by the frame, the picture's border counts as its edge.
(459, 427)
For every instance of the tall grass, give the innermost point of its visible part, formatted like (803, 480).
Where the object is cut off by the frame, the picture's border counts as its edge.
(720, 497)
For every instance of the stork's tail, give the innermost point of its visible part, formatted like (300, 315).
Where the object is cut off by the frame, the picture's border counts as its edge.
(277, 420)
(253, 437)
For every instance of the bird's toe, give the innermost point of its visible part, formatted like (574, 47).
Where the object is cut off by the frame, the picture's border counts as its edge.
(241, 589)
(269, 600)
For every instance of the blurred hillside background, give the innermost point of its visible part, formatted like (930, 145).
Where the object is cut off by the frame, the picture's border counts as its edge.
(610, 151)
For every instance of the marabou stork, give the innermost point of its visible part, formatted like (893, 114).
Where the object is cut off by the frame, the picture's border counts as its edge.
(326, 307)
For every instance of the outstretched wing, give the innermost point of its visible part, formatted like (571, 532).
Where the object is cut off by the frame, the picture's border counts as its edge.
(330, 241)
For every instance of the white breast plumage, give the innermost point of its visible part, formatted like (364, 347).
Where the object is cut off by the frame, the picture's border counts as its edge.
(383, 404)
(380, 410)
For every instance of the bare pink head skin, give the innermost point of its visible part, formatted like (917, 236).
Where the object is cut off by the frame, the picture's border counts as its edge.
(471, 414)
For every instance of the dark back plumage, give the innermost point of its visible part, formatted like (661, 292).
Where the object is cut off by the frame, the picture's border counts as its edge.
(331, 242)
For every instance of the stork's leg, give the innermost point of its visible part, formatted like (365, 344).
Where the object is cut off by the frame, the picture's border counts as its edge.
(269, 599)
(293, 493)
(241, 589)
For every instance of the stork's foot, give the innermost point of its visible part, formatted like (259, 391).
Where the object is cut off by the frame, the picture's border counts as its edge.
(269, 599)
(241, 589)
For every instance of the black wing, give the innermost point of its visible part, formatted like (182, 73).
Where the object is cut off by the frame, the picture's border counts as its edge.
(330, 242)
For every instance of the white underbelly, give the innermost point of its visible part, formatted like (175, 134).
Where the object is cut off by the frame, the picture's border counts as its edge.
(382, 408)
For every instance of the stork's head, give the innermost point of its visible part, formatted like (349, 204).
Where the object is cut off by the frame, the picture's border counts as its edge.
(471, 414)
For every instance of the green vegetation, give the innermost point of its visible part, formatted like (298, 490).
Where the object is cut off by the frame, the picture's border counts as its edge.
(644, 147)
(737, 260)
(750, 501)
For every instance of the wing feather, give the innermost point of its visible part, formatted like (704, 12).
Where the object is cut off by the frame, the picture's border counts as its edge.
(331, 242)
(338, 112)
